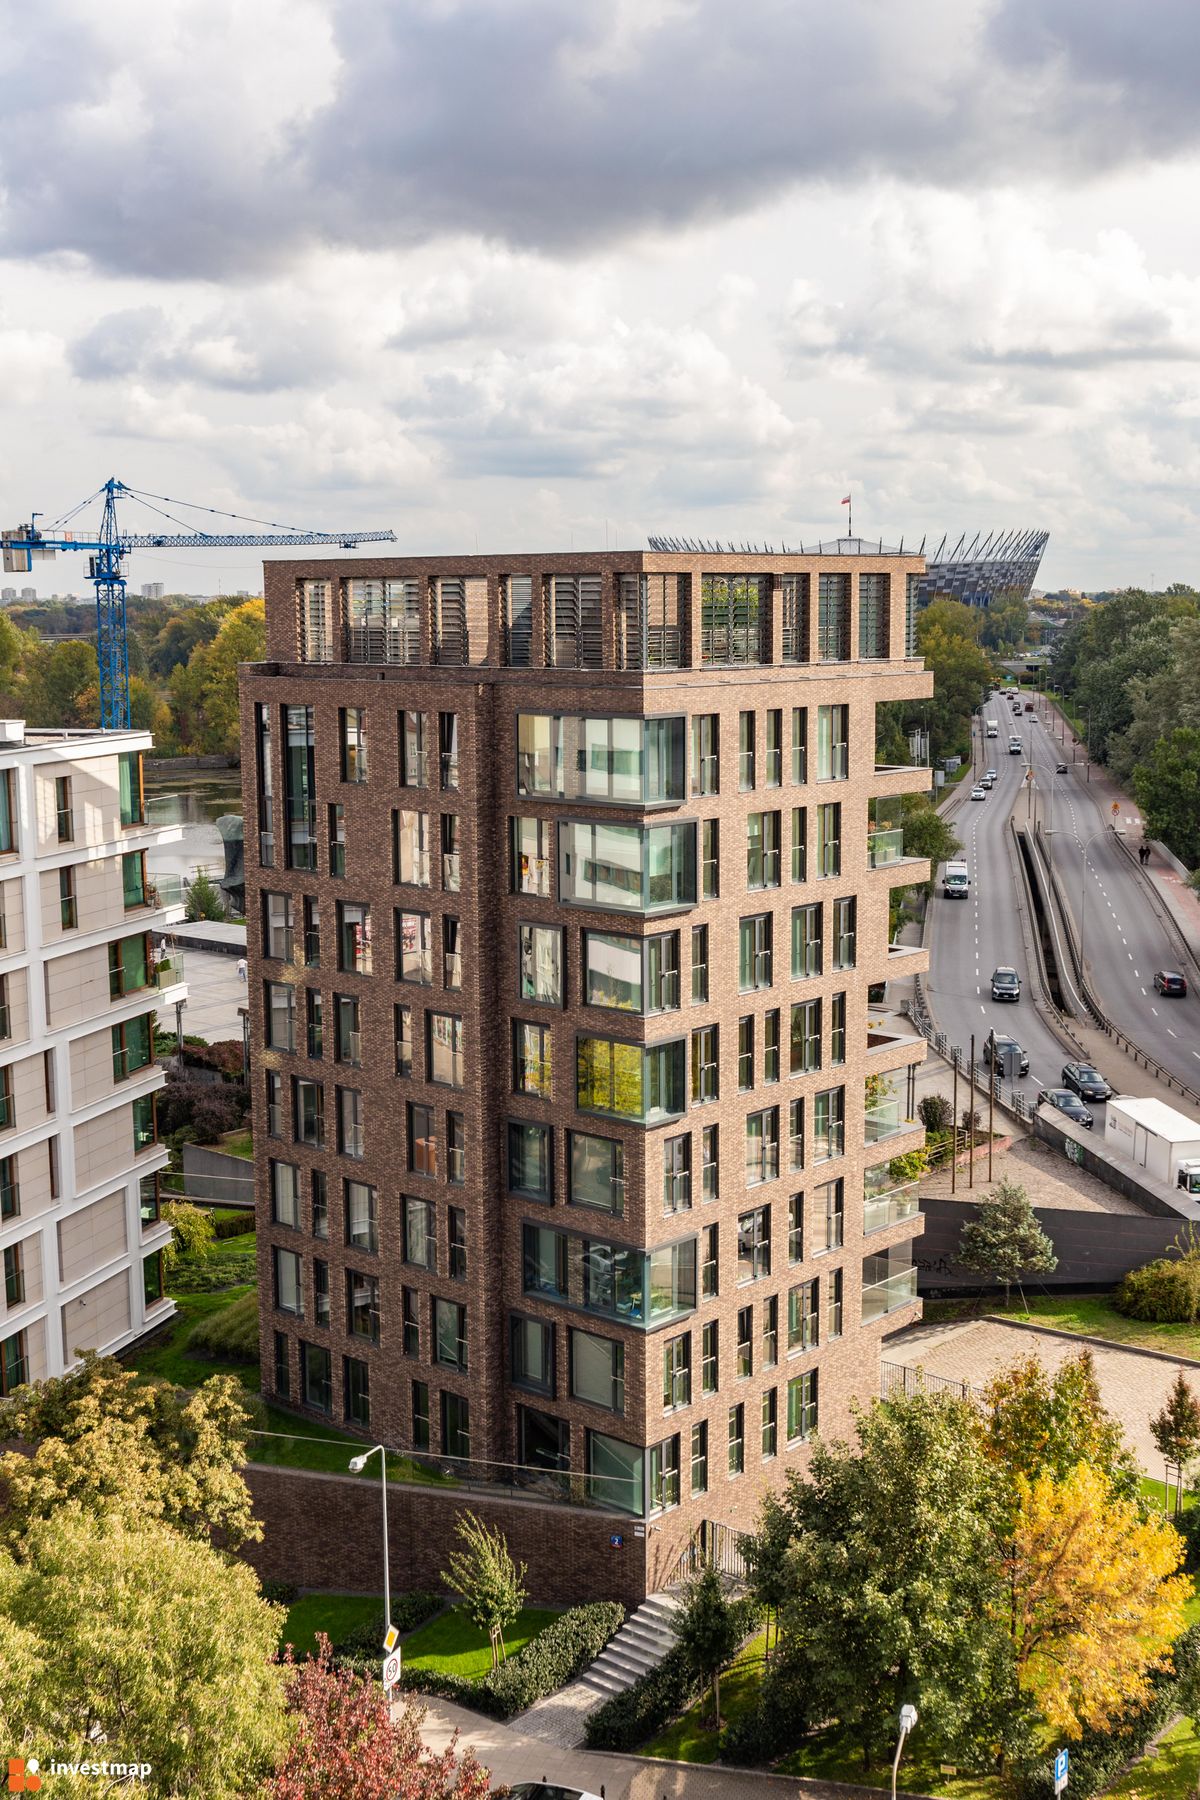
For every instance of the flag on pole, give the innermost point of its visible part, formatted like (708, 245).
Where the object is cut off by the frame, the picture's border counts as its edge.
(846, 500)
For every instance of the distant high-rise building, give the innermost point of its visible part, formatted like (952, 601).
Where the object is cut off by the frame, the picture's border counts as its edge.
(29, 593)
(152, 590)
(7, 594)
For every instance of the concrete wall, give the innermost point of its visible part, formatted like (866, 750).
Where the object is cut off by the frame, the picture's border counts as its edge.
(98, 1316)
(215, 1175)
(1094, 1249)
(323, 1531)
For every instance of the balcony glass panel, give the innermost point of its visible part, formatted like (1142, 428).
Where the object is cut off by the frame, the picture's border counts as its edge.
(886, 1202)
(884, 847)
(885, 1296)
(885, 1120)
(627, 868)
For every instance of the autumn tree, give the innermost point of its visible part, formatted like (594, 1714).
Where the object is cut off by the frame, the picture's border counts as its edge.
(127, 1633)
(345, 1743)
(241, 639)
(1038, 1422)
(486, 1579)
(109, 1443)
(1096, 1598)
(1176, 1431)
(707, 1633)
(192, 1230)
(1004, 1240)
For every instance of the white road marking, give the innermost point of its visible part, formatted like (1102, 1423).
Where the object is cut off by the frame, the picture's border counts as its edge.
(1154, 1010)
(1171, 1033)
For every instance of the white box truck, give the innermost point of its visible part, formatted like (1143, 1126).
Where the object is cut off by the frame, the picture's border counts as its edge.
(1151, 1135)
(993, 730)
(956, 882)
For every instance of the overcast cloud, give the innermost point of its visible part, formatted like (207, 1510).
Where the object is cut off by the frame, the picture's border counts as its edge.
(530, 273)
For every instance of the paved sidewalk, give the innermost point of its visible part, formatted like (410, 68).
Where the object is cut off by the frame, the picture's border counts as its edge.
(511, 1757)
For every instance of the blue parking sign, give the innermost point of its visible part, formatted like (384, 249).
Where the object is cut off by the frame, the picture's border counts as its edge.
(1060, 1771)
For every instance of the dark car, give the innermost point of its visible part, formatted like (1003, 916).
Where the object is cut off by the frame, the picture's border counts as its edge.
(1061, 769)
(1006, 984)
(1171, 983)
(1002, 1045)
(1087, 1082)
(1068, 1104)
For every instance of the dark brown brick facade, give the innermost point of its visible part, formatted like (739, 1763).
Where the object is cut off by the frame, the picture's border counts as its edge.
(486, 697)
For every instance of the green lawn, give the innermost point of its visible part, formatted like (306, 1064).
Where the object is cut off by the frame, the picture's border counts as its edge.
(691, 1738)
(452, 1644)
(238, 1143)
(833, 1756)
(1171, 1772)
(335, 1614)
(1092, 1314)
(311, 1444)
(166, 1359)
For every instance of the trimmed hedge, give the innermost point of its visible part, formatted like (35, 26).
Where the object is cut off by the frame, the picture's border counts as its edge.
(554, 1657)
(628, 1719)
(232, 1224)
(1167, 1292)
(1099, 1756)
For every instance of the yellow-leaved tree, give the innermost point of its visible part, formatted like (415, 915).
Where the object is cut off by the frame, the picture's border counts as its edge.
(1096, 1599)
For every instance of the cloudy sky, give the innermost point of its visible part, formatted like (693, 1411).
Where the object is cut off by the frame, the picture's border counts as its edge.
(547, 274)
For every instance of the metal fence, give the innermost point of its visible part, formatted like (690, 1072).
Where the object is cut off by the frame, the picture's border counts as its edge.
(1005, 1094)
(711, 1546)
(899, 1378)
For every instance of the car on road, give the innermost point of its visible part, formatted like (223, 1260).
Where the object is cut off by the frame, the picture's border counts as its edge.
(998, 1043)
(1085, 1081)
(978, 793)
(1170, 983)
(1006, 984)
(987, 781)
(1061, 769)
(991, 773)
(1067, 1103)
(549, 1790)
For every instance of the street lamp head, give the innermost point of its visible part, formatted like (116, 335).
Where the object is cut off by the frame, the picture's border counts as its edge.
(357, 1464)
(908, 1717)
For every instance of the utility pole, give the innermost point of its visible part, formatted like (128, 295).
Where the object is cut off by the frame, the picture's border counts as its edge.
(971, 1121)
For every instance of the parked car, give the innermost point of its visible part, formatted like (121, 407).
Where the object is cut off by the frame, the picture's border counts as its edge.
(1171, 983)
(1006, 984)
(1069, 1104)
(1085, 1081)
(549, 1790)
(1061, 769)
(1002, 1045)
(978, 793)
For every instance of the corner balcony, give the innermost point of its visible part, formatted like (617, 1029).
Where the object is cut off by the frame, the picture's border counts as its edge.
(888, 1206)
(888, 1295)
(904, 960)
(891, 1042)
(886, 1122)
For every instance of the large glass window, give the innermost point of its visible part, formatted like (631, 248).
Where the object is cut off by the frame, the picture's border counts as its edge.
(677, 1173)
(289, 1292)
(444, 1061)
(598, 1370)
(128, 965)
(874, 607)
(754, 1244)
(597, 1172)
(627, 868)
(806, 941)
(733, 618)
(833, 618)
(411, 861)
(845, 916)
(532, 856)
(132, 1042)
(353, 733)
(629, 974)
(829, 1124)
(802, 1406)
(829, 840)
(762, 850)
(414, 948)
(280, 1015)
(300, 787)
(706, 765)
(630, 1081)
(413, 765)
(532, 1354)
(540, 960)
(450, 1334)
(623, 761)
(354, 938)
(833, 745)
(755, 937)
(762, 1146)
(362, 1305)
(806, 1037)
(643, 1288)
(530, 1159)
(705, 1065)
(532, 1072)
(828, 1217)
(616, 1473)
(133, 799)
(362, 1216)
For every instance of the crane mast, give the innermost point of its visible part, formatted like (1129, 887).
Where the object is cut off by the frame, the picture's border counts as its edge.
(27, 544)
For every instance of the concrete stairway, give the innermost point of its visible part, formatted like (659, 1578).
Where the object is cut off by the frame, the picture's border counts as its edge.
(638, 1647)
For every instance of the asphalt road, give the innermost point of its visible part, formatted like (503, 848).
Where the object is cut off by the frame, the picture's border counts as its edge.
(967, 939)
(1124, 942)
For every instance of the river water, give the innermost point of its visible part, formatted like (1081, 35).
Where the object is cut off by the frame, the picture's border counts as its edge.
(197, 801)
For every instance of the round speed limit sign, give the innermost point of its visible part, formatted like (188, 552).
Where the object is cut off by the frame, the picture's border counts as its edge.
(391, 1669)
(1116, 807)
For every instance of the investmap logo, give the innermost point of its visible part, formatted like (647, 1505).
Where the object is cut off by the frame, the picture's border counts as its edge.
(26, 1775)
(23, 1775)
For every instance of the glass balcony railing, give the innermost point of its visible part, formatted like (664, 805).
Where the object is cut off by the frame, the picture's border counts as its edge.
(168, 970)
(886, 1120)
(889, 1207)
(164, 890)
(884, 847)
(165, 809)
(883, 1297)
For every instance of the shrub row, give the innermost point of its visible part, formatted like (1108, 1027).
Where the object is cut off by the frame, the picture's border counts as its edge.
(1166, 1291)
(362, 1648)
(554, 1657)
(781, 1717)
(628, 1719)
(231, 1332)
(1099, 1756)
(231, 1225)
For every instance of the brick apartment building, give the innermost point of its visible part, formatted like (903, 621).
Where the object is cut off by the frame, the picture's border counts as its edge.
(567, 880)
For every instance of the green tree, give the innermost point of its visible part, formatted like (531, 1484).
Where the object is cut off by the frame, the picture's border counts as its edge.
(765, 1552)
(204, 899)
(947, 638)
(108, 1442)
(192, 1230)
(706, 1629)
(61, 685)
(1167, 786)
(1042, 1423)
(242, 638)
(896, 1588)
(1176, 1431)
(486, 1579)
(1004, 1241)
(124, 1640)
(926, 832)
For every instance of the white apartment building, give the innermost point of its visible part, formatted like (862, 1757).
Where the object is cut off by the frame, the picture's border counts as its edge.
(81, 1239)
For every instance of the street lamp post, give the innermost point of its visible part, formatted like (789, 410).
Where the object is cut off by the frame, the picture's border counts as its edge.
(908, 1718)
(357, 1465)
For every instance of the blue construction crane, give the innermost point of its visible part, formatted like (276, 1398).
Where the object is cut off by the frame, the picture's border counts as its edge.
(28, 544)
